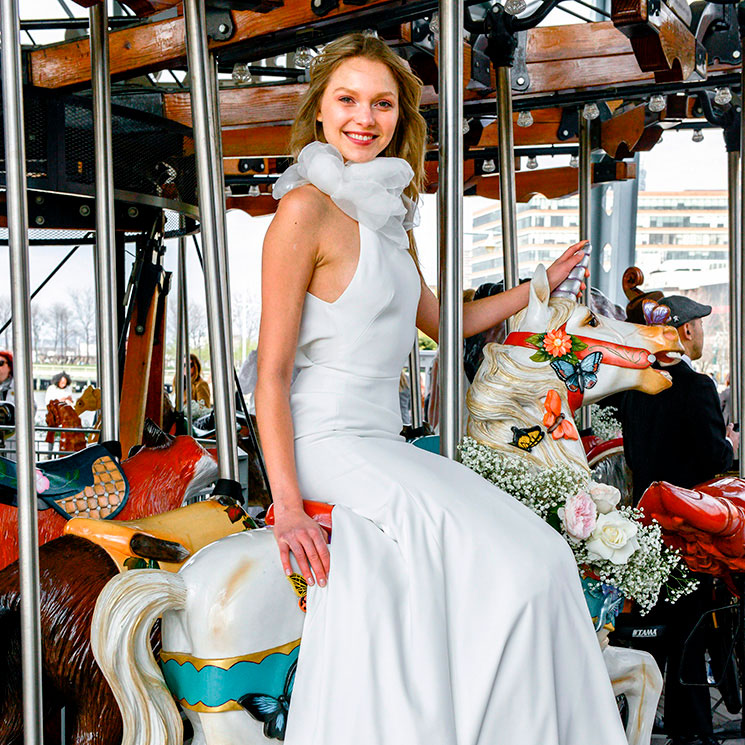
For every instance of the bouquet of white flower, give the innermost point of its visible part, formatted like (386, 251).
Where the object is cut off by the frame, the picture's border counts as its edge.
(610, 543)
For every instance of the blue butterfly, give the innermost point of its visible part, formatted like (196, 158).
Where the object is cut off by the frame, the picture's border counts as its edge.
(580, 376)
(269, 710)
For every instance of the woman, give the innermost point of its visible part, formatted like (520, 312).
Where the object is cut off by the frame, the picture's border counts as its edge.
(59, 389)
(200, 390)
(453, 614)
(7, 389)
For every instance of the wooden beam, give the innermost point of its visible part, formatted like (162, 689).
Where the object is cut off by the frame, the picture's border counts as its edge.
(140, 7)
(156, 46)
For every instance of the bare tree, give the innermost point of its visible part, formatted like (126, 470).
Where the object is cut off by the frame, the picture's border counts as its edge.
(84, 312)
(38, 322)
(5, 315)
(61, 317)
(197, 326)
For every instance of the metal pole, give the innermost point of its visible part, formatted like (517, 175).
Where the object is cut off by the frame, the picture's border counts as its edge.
(178, 388)
(584, 176)
(450, 216)
(735, 269)
(17, 211)
(507, 189)
(211, 211)
(415, 385)
(740, 384)
(183, 359)
(106, 317)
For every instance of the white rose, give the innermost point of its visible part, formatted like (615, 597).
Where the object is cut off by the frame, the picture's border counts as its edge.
(614, 538)
(605, 496)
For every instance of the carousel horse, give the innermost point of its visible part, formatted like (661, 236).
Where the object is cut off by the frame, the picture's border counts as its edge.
(164, 473)
(159, 475)
(90, 400)
(231, 671)
(62, 414)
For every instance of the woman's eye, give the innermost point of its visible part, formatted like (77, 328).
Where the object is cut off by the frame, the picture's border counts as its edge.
(346, 99)
(385, 104)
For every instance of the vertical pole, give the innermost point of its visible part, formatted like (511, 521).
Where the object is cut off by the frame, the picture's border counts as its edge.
(17, 211)
(735, 268)
(212, 217)
(178, 387)
(106, 317)
(450, 216)
(415, 385)
(507, 189)
(739, 265)
(182, 355)
(584, 176)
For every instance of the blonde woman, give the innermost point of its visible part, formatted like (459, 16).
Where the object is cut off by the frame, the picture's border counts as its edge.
(449, 612)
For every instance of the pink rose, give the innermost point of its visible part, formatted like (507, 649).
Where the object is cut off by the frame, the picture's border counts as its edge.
(579, 516)
(42, 482)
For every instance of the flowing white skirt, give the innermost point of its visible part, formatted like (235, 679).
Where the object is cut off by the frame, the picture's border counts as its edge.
(453, 615)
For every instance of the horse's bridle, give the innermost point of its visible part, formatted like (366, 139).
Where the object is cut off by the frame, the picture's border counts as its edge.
(618, 355)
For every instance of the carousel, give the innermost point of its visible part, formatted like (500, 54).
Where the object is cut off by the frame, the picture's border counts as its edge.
(107, 553)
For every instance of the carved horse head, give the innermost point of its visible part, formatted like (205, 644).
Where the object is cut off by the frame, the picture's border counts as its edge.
(561, 356)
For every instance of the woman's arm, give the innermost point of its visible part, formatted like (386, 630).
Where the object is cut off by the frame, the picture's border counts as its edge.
(288, 260)
(483, 314)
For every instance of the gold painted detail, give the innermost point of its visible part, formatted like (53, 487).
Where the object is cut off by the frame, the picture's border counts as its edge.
(101, 499)
(201, 708)
(225, 663)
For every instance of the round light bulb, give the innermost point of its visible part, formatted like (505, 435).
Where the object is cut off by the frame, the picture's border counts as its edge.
(303, 58)
(698, 135)
(524, 119)
(657, 103)
(254, 191)
(515, 7)
(241, 73)
(532, 162)
(488, 166)
(574, 161)
(590, 111)
(722, 96)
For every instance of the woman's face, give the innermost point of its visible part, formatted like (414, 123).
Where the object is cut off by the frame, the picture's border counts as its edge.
(4, 369)
(62, 383)
(359, 109)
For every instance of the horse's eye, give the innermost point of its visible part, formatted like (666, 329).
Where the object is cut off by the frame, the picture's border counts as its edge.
(593, 321)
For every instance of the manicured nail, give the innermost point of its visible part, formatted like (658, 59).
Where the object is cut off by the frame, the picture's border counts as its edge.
(309, 580)
(322, 582)
(288, 572)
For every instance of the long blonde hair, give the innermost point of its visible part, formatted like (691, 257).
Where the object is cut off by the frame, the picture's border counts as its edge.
(410, 137)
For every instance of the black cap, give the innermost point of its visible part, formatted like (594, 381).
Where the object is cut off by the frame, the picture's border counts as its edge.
(683, 309)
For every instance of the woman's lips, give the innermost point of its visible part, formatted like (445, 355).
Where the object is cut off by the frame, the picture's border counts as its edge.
(360, 138)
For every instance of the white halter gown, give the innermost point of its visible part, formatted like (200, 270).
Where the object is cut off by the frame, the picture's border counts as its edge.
(453, 615)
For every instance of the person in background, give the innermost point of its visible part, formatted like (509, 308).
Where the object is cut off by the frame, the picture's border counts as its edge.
(59, 389)
(7, 389)
(679, 436)
(200, 390)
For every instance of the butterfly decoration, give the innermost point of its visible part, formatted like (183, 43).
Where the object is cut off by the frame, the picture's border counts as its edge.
(557, 425)
(581, 375)
(300, 587)
(269, 710)
(655, 314)
(526, 439)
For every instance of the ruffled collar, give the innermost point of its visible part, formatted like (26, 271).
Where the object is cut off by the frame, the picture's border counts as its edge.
(371, 192)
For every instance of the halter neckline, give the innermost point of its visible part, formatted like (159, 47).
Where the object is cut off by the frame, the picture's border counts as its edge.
(370, 193)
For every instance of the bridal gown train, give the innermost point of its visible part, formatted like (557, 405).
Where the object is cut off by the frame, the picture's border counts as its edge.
(453, 615)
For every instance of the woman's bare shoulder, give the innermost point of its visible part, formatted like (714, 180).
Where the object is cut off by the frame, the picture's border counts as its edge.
(304, 206)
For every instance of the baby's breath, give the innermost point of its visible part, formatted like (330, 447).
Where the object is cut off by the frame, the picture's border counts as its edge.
(650, 568)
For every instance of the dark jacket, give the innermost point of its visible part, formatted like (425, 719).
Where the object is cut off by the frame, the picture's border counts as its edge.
(677, 435)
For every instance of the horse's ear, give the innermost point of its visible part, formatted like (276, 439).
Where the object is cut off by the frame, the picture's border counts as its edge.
(537, 315)
(153, 436)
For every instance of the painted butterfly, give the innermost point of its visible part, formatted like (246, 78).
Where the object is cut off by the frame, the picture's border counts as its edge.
(654, 313)
(580, 376)
(526, 439)
(269, 710)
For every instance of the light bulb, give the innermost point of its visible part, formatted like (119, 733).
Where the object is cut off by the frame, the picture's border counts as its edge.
(488, 166)
(524, 119)
(303, 58)
(574, 161)
(515, 7)
(698, 135)
(590, 111)
(241, 73)
(434, 25)
(657, 103)
(466, 127)
(532, 162)
(254, 191)
(722, 96)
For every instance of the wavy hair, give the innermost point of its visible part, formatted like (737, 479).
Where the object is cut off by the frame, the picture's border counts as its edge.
(410, 136)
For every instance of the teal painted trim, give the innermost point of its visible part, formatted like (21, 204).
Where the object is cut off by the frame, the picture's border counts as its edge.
(428, 442)
(213, 686)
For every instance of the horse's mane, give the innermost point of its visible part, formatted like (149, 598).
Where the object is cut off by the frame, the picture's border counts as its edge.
(507, 393)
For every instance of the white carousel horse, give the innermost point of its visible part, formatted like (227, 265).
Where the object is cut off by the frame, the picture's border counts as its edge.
(510, 406)
(230, 621)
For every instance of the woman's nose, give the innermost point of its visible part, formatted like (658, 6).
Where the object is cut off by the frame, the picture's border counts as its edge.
(365, 116)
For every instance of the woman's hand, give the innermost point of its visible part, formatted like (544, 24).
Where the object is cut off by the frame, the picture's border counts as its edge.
(297, 532)
(559, 270)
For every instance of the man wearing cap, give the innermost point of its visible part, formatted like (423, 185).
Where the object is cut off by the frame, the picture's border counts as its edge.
(679, 436)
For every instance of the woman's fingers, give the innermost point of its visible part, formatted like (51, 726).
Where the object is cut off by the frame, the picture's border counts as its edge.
(323, 551)
(315, 560)
(284, 557)
(298, 551)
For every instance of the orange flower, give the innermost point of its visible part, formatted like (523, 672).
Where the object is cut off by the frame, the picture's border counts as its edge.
(557, 343)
